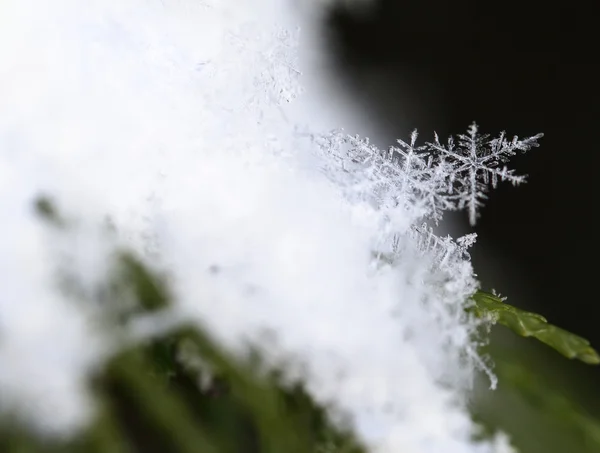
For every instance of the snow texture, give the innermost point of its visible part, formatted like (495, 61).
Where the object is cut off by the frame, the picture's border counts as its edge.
(178, 120)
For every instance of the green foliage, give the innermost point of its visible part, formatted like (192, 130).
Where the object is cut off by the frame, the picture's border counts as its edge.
(536, 402)
(529, 324)
(47, 211)
(549, 401)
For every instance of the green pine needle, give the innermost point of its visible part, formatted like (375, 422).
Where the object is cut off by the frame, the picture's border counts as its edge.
(529, 324)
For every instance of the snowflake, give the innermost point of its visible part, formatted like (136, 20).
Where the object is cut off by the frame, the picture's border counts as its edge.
(424, 181)
(475, 162)
(428, 179)
(421, 178)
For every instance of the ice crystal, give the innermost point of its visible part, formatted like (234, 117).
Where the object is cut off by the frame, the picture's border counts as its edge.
(475, 161)
(432, 178)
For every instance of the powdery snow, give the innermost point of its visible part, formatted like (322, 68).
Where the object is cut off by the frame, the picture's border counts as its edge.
(176, 118)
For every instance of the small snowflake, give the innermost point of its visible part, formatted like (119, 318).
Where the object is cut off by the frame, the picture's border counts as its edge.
(475, 162)
(428, 179)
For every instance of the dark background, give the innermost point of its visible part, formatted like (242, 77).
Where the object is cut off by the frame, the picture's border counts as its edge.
(524, 67)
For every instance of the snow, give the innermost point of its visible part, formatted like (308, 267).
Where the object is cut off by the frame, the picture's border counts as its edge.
(179, 120)
(475, 162)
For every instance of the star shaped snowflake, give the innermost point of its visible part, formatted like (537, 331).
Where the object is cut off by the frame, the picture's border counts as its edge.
(475, 161)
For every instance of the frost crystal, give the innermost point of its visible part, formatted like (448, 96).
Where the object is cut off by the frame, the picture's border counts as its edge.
(431, 178)
(475, 162)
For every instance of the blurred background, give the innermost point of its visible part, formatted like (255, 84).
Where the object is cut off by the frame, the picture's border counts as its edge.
(524, 67)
